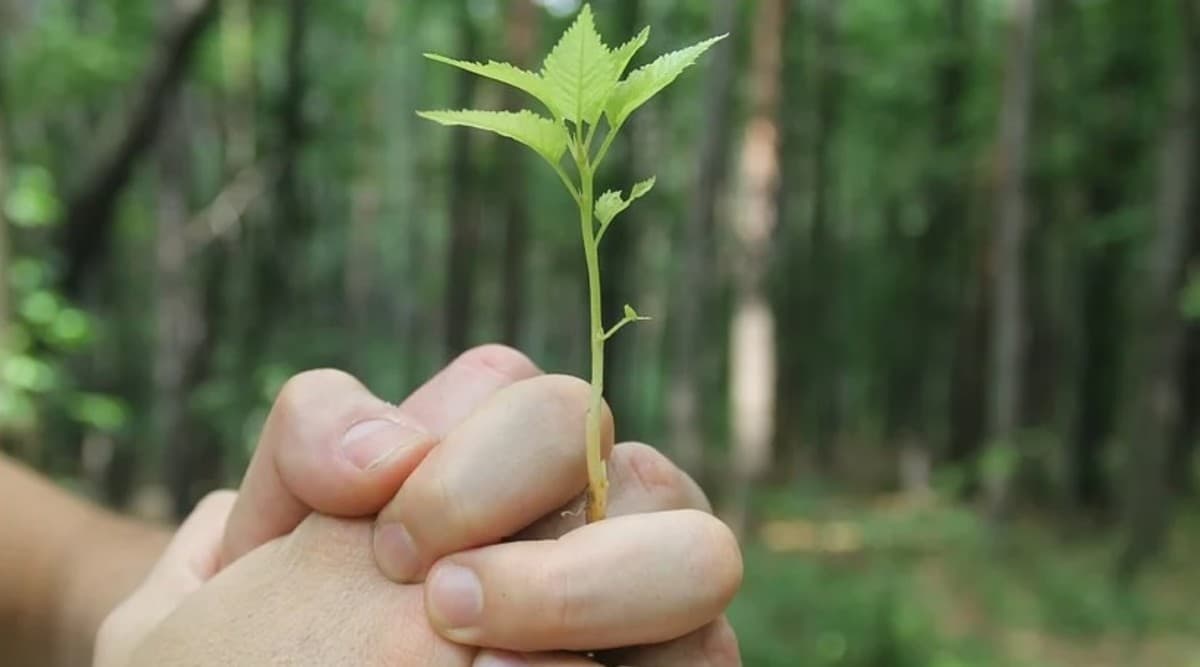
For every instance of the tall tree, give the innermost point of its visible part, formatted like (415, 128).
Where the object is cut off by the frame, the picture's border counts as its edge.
(178, 329)
(1117, 146)
(1157, 406)
(1008, 308)
(691, 291)
(88, 218)
(462, 248)
(520, 38)
(752, 355)
(379, 20)
(931, 302)
(824, 263)
(5, 249)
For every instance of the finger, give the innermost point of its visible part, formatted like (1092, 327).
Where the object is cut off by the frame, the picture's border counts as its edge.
(642, 480)
(331, 446)
(506, 659)
(579, 592)
(188, 561)
(714, 645)
(521, 455)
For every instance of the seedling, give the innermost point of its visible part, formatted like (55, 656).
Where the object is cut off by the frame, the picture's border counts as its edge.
(580, 85)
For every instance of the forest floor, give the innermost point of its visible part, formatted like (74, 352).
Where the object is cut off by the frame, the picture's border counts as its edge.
(896, 582)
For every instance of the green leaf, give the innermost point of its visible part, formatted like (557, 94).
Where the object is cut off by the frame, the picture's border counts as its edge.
(630, 312)
(624, 54)
(646, 82)
(581, 72)
(505, 73)
(541, 134)
(611, 203)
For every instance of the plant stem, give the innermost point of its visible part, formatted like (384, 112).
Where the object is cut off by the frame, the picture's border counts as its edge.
(597, 497)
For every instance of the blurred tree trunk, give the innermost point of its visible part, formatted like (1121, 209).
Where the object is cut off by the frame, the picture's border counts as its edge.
(520, 37)
(5, 247)
(788, 293)
(619, 259)
(1187, 437)
(179, 329)
(1115, 151)
(366, 197)
(969, 390)
(1008, 309)
(824, 281)
(87, 222)
(932, 303)
(691, 294)
(1157, 406)
(463, 245)
(752, 354)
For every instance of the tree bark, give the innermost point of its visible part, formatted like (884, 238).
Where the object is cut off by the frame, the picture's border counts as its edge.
(691, 293)
(1157, 410)
(88, 219)
(521, 30)
(752, 355)
(1008, 308)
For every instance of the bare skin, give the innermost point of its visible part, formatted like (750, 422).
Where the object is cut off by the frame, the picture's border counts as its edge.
(302, 467)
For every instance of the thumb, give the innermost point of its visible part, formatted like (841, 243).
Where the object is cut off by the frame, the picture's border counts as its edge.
(189, 560)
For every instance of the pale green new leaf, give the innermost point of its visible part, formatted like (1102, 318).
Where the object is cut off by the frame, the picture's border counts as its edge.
(646, 82)
(631, 313)
(505, 73)
(622, 55)
(611, 203)
(541, 134)
(580, 72)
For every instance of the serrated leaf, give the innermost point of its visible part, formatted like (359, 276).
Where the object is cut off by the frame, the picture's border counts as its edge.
(608, 205)
(580, 72)
(622, 55)
(611, 203)
(646, 82)
(541, 134)
(505, 73)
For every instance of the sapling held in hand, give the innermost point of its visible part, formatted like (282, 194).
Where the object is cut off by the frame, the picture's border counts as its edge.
(580, 84)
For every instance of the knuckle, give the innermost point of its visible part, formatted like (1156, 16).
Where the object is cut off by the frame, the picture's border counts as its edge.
(716, 556)
(303, 388)
(721, 645)
(659, 478)
(501, 360)
(565, 606)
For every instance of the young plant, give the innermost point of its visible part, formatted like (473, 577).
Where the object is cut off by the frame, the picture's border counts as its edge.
(580, 85)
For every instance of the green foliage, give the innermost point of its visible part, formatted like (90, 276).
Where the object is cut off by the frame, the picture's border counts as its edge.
(544, 136)
(611, 204)
(580, 81)
(643, 84)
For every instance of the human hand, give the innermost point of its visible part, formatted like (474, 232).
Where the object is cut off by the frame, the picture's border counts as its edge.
(546, 405)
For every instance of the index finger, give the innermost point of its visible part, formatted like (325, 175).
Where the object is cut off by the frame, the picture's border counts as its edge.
(302, 464)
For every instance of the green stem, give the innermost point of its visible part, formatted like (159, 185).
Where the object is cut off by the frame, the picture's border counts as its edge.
(597, 500)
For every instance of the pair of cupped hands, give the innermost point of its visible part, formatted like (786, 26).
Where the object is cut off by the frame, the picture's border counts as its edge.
(447, 531)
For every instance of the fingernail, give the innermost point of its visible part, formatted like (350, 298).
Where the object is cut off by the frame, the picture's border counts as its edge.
(368, 444)
(455, 596)
(395, 552)
(497, 659)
